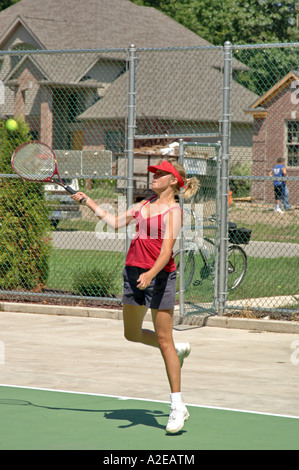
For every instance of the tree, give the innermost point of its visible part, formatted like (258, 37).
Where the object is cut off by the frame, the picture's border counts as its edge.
(265, 66)
(237, 21)
(24, 225)
(243, 22)
(7, 3)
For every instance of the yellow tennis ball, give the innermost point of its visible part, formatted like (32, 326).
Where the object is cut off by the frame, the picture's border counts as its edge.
(12, 125)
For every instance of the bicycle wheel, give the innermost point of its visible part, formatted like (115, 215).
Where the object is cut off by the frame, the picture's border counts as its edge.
(237, 266)
(189, 268)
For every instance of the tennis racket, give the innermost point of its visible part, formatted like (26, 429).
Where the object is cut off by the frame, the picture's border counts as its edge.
(35, 161)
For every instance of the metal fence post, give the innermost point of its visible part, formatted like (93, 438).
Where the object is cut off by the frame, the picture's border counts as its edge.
(131, 132)
(181, 243)
(226, 121)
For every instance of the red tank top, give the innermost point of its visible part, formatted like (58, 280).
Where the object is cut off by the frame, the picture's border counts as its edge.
(147, 241)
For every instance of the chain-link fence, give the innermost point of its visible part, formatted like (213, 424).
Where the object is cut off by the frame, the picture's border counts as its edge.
(198, 255)
(75, 102)
(262, 201)
(108, 114)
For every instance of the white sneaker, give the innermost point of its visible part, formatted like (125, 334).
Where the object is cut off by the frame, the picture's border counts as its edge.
(278, 209)
(178, 416)
(183, 350)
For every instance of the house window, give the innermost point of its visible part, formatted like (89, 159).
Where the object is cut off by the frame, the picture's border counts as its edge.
(293, 143)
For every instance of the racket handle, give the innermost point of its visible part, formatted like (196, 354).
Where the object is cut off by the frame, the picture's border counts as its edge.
(72, 191)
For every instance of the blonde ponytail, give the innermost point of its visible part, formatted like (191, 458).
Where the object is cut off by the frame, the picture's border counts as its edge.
(191, 185)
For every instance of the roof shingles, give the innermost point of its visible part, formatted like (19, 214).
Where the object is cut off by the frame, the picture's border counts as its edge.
(182, 85)
(73, 24)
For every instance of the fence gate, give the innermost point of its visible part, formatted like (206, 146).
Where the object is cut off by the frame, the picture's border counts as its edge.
(198, 252)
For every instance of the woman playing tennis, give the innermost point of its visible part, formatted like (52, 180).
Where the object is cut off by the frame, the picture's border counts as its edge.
(150, 272)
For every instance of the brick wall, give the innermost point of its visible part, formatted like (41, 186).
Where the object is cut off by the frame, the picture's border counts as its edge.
(269, 144)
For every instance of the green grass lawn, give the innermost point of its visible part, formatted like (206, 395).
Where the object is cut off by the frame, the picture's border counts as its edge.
(265, 224)
(265, 277)
(66, 265)
(265, 232)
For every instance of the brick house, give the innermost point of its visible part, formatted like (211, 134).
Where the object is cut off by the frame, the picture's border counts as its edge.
(276, 135)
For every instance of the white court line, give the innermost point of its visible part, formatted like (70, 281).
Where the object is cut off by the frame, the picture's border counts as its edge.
(119, 397)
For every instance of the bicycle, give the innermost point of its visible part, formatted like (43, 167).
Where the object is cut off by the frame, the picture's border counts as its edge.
(205, 263)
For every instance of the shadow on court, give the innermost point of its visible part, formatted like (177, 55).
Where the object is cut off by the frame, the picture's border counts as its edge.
(134, 417)
(57, 420)
(36, 419)
(228, 370)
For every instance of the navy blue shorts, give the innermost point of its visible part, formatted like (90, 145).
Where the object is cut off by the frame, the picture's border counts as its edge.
(278, 191)
(160, 294)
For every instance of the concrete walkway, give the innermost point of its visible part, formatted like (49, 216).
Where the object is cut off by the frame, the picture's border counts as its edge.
(265, 302)
(241, 364)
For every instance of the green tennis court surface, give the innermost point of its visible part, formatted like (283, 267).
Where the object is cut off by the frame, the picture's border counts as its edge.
(44, 419)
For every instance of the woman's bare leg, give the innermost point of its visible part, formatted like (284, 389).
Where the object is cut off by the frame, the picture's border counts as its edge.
(163, 322)
(133, 316)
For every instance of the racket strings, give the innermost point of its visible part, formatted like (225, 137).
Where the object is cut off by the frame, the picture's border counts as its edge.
(34, 162)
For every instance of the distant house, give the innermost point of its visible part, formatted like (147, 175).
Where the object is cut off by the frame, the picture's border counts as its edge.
(276, 135)
(78, 100)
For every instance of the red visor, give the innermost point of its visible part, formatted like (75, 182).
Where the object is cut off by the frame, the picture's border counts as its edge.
(167, 166)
